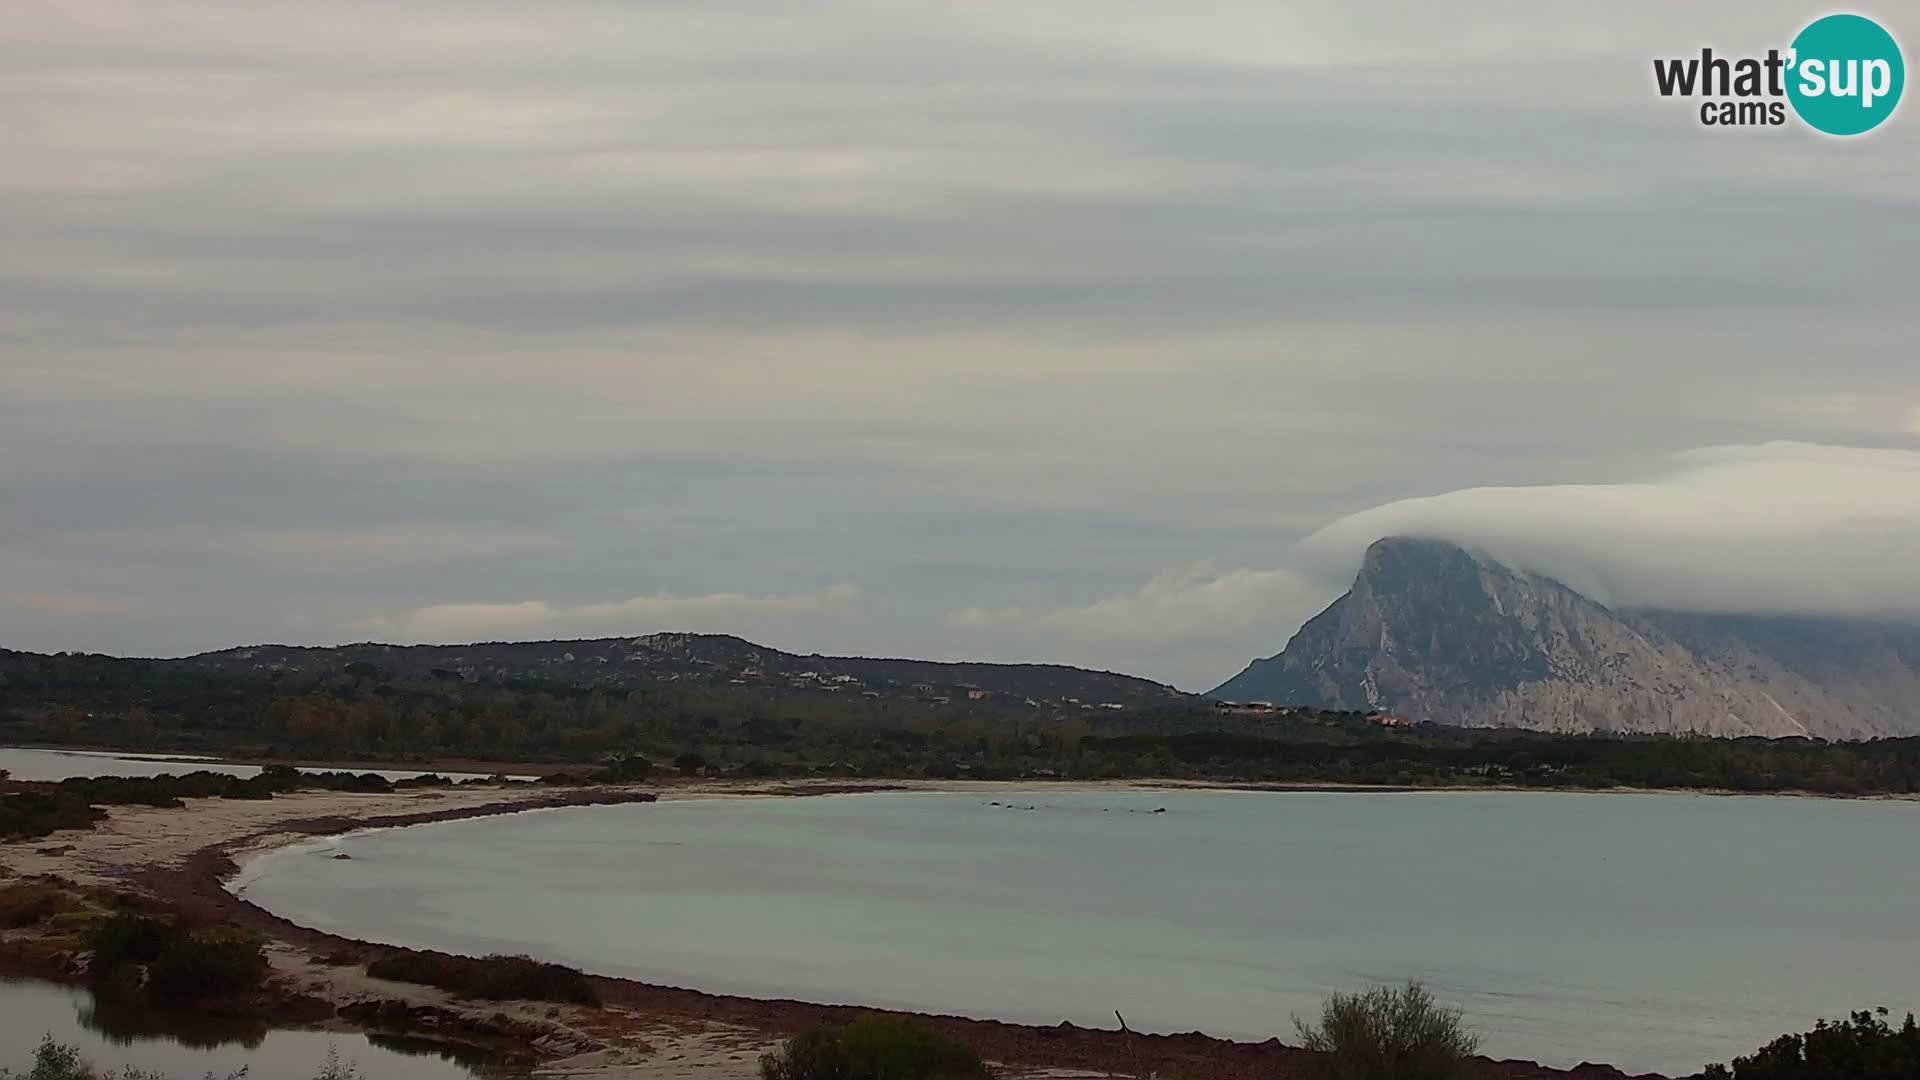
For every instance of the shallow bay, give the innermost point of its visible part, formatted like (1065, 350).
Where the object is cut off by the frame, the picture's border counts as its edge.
(1649, 931)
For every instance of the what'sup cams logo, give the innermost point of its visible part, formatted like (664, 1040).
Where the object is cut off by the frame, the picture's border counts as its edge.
(1842, 75)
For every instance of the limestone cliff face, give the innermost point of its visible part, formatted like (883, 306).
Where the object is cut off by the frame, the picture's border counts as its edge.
(1438, 633)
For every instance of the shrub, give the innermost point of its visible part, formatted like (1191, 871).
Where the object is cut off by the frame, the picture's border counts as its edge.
(874, 1048)
(31, 815)
(30, 903)
(258, 787)
(423, 780)
(126, 939)
(179, 964)
(367, 783)
(1389, 1033)
(1863, 1047)
(335, 1069)
(813, 1054)
(631, 767)
(70, 804)
(490, 978)
(72, 922)
(55, 1061)
(191, 967)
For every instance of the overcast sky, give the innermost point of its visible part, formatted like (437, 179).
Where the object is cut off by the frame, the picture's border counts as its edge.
(1031, 330)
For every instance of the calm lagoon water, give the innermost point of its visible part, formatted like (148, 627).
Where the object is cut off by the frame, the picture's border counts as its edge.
(1649, 931)
(185, 1046)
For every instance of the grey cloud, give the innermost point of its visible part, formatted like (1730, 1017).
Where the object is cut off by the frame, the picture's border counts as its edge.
(1779, 528)
(1008, 307)
(1776, 528)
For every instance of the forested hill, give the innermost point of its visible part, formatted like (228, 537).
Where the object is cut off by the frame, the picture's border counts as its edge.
(564, 701)
(697, 660)
(714, 727)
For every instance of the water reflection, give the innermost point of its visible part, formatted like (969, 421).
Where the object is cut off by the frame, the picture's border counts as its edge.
(124, 1022)
(113, 1033)
(471, 1058)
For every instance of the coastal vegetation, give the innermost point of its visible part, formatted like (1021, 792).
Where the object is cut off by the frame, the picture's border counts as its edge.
(173, 962)
(488, 978)
(1388, 1033)
(40, 809)
(874, 1048)
(1862, 1047)
(367, 715)
(33, 903)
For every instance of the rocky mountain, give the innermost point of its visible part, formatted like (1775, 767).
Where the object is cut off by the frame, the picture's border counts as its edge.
(1435, 632)
(701, 660)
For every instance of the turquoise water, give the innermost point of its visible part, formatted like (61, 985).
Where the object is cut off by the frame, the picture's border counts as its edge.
(1649, 931)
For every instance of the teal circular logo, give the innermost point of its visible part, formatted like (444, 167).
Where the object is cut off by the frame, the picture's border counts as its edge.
(1845, 74)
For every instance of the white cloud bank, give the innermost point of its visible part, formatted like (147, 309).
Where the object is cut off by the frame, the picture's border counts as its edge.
(1779, 527)
(1782, 527)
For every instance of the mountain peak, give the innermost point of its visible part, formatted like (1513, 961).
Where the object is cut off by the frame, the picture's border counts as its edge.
(1437, 632)
(1389, 548)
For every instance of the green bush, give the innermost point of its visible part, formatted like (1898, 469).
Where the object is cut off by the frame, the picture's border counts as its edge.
(191, 968)
(179, 964)
(30, 903)
(125, 940)
(31, 815)
(874, 1048)
(76, 921)
(258, 787)
(629, 768)
(1389, 1033)
(55, 1061)
(1863, 1047)
(489, 978)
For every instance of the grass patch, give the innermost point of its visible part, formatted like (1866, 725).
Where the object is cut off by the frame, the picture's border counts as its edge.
(874, 1048)
(489, 978)
(74, 922)
(31, 903)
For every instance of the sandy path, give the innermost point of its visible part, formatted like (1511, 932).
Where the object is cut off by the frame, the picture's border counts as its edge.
(139, 838)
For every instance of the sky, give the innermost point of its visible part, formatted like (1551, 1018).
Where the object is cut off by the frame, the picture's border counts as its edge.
(1105, 332)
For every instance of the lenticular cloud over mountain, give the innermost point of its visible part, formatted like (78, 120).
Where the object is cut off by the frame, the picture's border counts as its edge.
(1781, 527)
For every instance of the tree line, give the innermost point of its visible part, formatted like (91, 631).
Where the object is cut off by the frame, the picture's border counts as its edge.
(366, 716)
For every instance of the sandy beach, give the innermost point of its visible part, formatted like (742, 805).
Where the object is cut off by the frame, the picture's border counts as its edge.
(184, 857)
